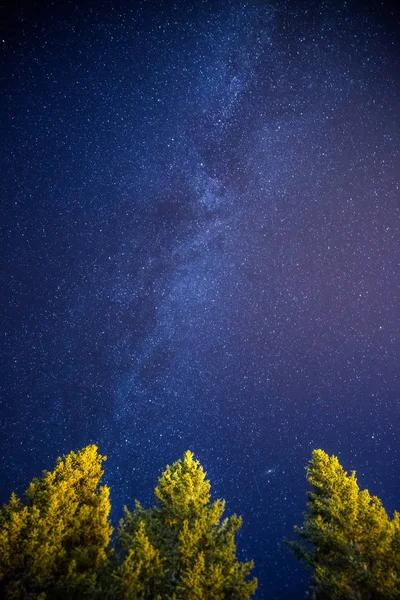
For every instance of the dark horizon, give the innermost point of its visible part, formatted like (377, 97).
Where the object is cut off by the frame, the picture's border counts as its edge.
(200, 250)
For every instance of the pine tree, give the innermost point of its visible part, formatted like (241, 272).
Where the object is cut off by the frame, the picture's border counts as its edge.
(53, 545)
(181, 549)
(347, 537)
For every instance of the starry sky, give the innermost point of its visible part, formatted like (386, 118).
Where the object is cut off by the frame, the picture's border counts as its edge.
(200, 249)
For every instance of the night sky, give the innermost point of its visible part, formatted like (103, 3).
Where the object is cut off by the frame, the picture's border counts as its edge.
(200, 249)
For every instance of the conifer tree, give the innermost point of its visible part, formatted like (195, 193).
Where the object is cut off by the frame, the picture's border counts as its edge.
(180, 549)
(347, 537)
(53, 544)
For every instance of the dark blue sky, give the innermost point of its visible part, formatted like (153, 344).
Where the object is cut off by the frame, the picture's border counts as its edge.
(200, 249)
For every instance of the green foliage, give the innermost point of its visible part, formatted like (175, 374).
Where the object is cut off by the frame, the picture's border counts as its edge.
(347, 537)
(53, 545)
(180, 549)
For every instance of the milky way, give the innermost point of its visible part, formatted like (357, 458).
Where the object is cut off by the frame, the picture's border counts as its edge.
(201, 249)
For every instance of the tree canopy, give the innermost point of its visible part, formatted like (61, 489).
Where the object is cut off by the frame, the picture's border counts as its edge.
(55, 542)
(347, 537)
(181, 548)
(53, 545)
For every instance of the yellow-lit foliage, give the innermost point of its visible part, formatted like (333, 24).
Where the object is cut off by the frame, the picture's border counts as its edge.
(53, 545)
(183, 534)
(143, 569)
(347, 537)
